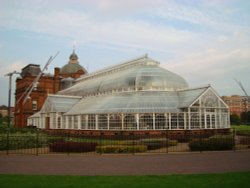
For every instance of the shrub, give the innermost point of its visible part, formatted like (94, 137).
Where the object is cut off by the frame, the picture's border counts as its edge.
(21, 141)
(72, 146)
(158, 143)
(212, 144)
(245, 140)
(243, 132)
(172, 143)
(55, 139)
(121, 149)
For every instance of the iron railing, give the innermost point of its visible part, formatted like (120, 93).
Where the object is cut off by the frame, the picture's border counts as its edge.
(38, 142)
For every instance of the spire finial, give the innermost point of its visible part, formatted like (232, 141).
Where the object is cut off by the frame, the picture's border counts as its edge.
(73, 57)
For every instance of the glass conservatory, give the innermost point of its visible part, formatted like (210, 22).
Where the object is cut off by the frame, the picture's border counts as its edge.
(134, 95)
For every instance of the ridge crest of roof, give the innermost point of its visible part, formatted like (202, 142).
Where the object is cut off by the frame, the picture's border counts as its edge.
(131, 63)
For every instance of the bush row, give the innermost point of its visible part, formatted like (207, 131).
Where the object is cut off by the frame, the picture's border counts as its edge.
(79, 147)
(121, 149)
(245, 140)
(214, 143)
(151, 144)
(18, 142)
(4, 129)
(243, 132)
(29, 140)
(72, 146)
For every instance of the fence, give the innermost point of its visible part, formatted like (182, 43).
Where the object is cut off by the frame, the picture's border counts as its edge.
(38, 143)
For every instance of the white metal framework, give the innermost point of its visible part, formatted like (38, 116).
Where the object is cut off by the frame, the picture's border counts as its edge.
(137, 95)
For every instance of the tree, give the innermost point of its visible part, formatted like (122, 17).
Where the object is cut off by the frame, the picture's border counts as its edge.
(245, 117)
(1, 119)
(235, 119)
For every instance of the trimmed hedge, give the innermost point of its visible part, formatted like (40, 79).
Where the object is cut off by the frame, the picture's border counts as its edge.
(55, 139)
(72, 146)
(214, 143)
(243, 132)
(153, 144)
(17, 141)
(245, 140)
(121, 149)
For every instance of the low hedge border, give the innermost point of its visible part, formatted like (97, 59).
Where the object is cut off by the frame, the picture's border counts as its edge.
(72, 147)
(121, 149)
(213, 143)
(153, 144)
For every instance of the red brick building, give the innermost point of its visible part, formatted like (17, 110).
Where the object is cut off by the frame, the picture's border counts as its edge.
(237, 104)
(48, 84)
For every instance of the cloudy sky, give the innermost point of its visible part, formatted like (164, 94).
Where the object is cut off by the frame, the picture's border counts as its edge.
(207, 42)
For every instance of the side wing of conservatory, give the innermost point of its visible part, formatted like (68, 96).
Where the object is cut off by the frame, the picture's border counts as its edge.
(208, 111)
(193, 109)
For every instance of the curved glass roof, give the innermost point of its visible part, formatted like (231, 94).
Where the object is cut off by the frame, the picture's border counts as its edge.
(140, 74)
(136, 102)
(127, 102)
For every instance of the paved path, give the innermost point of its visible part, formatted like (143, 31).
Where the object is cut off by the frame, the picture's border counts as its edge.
(155, 164)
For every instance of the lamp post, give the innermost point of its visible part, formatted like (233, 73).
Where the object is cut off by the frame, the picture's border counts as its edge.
(9, 98)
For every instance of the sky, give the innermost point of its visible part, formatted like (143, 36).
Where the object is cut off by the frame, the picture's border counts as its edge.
(206, 42)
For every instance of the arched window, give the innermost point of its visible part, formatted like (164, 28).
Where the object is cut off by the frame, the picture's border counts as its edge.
(181, 121)
(102, 122)
(130, 122)
(70, 118)
(160, 122)
(174, 121)
(91, 121)
(83, 122)
(146, 122)
(115, 122)
(59, 122)
(195, 121)
(75, 122)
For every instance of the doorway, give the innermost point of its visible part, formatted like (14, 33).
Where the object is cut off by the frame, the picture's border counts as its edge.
(47, 123)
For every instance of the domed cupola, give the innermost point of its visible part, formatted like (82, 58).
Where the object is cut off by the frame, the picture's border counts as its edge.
(73, 67)
(73, 57)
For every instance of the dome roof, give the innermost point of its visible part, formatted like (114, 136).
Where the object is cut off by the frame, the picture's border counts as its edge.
(71, 68)
(147, 75)
(73, 65)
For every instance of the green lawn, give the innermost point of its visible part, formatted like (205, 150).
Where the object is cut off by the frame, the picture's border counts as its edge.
(241, 127)
(238, 179)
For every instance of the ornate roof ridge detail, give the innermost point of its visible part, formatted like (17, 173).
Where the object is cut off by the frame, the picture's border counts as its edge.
(121, 66)
(195, 88)
(64, 96)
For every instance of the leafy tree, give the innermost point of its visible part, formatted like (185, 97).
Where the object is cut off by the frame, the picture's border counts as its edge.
(245, 117)
(1, 119)
(235, 119)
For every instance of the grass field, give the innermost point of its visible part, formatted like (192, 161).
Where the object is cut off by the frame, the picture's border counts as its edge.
(238, 179)
(241, 127)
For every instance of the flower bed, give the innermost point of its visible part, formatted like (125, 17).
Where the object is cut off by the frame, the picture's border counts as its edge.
(72, 146)
(214, 143)
(121, 149)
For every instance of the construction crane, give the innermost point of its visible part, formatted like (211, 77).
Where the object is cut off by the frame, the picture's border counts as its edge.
(246, 100)
(243, 89)
(26, 95)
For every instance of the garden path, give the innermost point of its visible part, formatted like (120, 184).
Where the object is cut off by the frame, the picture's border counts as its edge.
(139, 164)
